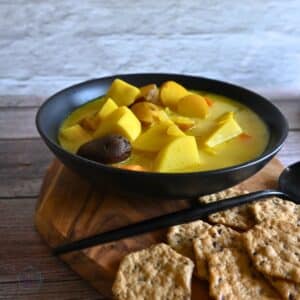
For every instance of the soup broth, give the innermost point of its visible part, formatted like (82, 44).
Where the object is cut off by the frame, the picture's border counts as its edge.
(227, 133)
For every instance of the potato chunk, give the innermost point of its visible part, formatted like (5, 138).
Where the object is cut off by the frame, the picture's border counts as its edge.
(90, 123)
(183, 123)
(178, 155)
(173, 130)
(108, 107)
(171, 92)
(147, 112)
(122, 92)
(150, 93)
(227, 129)
(71, 138)
(121, 121)
(156, 137)
(193, 106)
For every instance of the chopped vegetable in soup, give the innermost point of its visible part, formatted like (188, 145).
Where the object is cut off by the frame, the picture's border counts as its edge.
(164, 129)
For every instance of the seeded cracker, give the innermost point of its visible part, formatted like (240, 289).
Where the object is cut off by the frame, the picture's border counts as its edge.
(158, 272)
(287, 289)
(274, 247)
(238, 217)
(277, 209)
(180, 237)
(216, 239)
(233, 277)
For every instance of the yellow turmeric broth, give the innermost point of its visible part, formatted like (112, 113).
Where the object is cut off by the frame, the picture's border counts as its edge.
(196, 131)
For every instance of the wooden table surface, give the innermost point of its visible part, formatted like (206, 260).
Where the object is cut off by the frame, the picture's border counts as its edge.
(27, 268)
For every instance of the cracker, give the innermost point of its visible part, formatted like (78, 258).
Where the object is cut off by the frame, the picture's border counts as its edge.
(274, 247)
(180, 237)
(158, 272)
(287, 289)
(277, 209)
(238, 217)
(216, 239)
(233, 277)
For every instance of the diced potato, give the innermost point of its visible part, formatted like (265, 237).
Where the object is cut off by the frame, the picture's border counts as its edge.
(90, 123)
(179, 154)
(183, 123)
(225, 117)
(173, 130)
(108, 107)
(193, 106)
(154, 138)
(122, 92)
(162, 116)
(133, 168)
(121, 121)
(82, 112)
(209, 150)
(71, 138)
(227, 129)
(147, 112)
(150, 93)
(171, 92)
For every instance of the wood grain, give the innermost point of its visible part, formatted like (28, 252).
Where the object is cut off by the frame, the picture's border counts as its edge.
(22, 252)
(22, 165)
(70, 209)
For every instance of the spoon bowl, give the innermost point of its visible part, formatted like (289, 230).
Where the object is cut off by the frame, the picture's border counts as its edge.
(289, 181)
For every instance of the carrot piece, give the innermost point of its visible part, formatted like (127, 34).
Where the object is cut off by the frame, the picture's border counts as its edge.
(133, 168)
(208, 101)
(245, 136)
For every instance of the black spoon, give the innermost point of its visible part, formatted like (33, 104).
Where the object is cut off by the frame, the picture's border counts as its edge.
(289, 188)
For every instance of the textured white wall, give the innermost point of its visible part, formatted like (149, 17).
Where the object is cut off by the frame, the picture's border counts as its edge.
(47, 45)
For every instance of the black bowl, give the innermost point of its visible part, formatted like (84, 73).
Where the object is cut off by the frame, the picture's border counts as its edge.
(165, 185)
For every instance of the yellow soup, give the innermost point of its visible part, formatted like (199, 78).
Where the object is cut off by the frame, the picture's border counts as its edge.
(195, 131)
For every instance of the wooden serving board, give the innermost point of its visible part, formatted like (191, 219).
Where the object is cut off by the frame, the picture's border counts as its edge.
(70, 208)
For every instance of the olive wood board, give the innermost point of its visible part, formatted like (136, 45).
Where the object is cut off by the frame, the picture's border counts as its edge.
(70, 208)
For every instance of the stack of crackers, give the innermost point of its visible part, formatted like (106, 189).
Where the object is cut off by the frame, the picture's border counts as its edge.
(248, 252)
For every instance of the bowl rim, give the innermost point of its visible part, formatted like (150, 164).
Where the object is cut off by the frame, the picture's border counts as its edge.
(267, 154)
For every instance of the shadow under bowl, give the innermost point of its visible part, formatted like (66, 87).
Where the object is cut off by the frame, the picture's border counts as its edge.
(150, 184)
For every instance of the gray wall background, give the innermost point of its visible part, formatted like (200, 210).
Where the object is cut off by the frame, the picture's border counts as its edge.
(48, 45)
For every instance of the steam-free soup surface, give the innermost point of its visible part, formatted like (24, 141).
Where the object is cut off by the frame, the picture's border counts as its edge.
(245, 146)
(238, 150)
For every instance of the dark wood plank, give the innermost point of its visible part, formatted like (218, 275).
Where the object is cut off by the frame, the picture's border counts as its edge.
(22, 167)
(19, 122)
(27, 268)
(48, 290)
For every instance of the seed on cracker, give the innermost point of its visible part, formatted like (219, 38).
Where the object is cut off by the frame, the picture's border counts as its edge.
(216, 239)
(277, 209)
(233, 277)
(180, 237)
(274, 248)
(287, 289)
(158, 272)
(238, 217)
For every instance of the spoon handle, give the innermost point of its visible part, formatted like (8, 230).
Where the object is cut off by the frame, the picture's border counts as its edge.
(187, 215)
